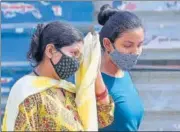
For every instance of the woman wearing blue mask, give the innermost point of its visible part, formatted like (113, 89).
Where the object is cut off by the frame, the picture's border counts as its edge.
(121, 38)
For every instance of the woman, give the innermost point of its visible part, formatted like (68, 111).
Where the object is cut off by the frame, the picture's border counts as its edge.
(43, 100)
(121, 39)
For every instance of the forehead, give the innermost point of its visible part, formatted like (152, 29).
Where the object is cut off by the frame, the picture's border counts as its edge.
(77, 45)
(135, 35)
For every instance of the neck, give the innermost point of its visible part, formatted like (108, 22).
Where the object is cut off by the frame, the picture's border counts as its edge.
(108, 67)
(43, 70)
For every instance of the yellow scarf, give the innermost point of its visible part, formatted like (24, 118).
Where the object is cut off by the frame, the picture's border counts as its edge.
(84, 88)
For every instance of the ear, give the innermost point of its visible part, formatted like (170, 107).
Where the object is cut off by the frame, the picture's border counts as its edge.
(107, 45)
(49, 51)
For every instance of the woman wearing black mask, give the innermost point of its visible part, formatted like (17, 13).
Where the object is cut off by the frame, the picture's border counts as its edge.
(121, 39)
(44, 100)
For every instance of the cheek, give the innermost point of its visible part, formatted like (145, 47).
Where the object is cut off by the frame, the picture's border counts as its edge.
(124, 50)
(56, 59)
(139, 51)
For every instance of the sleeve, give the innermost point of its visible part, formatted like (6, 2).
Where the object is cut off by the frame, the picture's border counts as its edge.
(27, 118)
(105, 113)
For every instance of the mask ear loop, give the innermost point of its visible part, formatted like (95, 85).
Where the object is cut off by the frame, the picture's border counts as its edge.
(55, 52)
(61, 52)
(58, 49)
(113, 47)
(54, 64)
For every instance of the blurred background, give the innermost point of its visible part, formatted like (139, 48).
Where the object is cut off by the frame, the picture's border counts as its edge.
(157, 74)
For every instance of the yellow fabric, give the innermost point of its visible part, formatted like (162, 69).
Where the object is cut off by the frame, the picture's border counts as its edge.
(4, 125)
(54, 113)
(85, 82)
(84, 88)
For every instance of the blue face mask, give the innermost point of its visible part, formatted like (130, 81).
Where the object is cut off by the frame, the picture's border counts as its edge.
(124, 61)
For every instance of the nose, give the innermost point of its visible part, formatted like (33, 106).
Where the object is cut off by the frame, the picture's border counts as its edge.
(136, 51)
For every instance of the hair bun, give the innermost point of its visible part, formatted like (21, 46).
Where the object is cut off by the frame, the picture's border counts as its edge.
(106, 11)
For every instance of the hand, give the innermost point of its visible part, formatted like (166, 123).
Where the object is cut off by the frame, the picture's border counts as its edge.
(100, 87)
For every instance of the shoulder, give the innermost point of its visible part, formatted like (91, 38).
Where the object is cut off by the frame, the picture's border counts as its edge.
(23, 81)
(128, 75)
(31, 102)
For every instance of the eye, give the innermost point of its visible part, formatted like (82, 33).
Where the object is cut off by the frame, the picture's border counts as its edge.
(76, 53)
(127, 45)
(72, 53)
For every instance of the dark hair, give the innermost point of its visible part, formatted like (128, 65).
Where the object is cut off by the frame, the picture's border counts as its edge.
(116, 22)
(58, 33)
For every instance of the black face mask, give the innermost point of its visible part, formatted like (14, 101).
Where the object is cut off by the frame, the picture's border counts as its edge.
(66, 66)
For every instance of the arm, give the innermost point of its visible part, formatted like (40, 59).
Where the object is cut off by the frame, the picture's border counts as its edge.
(105, 104)
(105, 113)
(27, 116)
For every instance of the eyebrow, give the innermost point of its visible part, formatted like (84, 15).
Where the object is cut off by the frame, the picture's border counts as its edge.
(75, 50)
(129, 42)
(133, 42)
